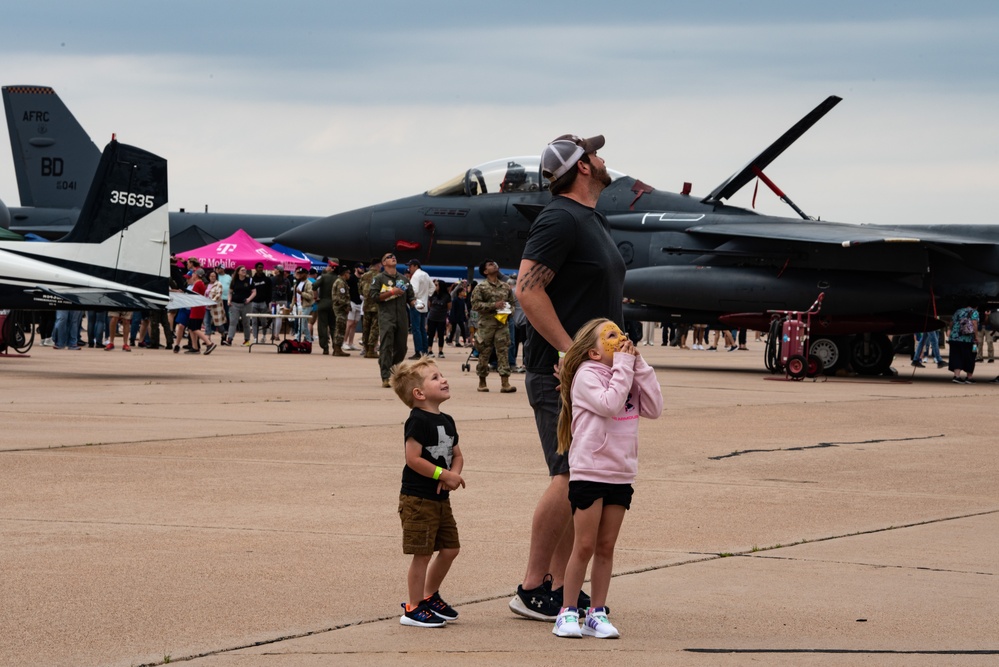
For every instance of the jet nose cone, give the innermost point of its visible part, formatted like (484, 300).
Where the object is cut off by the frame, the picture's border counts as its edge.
(344, 235)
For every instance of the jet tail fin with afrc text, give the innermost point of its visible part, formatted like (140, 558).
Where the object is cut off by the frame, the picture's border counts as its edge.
(54, 157)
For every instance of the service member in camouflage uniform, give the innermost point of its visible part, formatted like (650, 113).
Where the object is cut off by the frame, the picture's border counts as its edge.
(393, 293)
(341, 306)
(488, 297)
(369, 322)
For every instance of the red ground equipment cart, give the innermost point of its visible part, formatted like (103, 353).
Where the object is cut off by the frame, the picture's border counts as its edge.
(787, 344)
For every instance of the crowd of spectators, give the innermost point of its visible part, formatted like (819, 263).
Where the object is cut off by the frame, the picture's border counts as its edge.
(330, 306)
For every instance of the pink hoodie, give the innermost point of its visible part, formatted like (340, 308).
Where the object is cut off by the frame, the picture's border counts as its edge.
(606, 405)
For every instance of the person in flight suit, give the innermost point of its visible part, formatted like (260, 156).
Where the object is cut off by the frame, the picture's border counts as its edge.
(323, 287)
(393, 293)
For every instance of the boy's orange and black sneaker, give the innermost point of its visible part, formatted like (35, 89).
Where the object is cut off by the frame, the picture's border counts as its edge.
(421, 617)
(440, 608)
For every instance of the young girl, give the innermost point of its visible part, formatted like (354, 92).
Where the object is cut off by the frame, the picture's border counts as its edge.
(606, 386)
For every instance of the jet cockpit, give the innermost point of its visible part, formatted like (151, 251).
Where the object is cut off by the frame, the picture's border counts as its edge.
(515, 174)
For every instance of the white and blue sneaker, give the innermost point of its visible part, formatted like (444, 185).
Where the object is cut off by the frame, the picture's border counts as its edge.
(597, 625)
(567, 623)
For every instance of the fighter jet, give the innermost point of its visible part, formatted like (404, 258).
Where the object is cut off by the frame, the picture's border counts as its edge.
(54, 161)
(698, 260)
(116, 257)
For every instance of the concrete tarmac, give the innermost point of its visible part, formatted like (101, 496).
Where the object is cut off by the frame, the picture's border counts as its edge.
(240, 510)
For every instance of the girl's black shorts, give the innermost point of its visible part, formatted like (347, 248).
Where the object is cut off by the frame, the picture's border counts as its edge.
(582, 494)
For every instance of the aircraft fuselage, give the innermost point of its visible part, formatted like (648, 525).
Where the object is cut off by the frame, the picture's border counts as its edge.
(697, 260)
(53, 223)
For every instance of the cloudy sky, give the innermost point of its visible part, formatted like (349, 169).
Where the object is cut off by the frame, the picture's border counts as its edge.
(313, 108)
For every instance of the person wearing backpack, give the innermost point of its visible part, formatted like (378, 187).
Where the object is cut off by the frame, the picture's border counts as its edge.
(963, 344)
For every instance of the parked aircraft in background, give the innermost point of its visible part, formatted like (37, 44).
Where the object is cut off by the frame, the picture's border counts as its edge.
(115, 258)
(54, 161)
(697, 260)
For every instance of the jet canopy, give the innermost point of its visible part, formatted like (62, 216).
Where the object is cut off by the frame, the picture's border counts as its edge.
(508, 175)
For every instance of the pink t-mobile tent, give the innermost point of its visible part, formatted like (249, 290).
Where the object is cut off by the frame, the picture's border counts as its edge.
(241, 250)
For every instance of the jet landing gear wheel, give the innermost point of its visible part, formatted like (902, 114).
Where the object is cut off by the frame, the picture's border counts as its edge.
(871, 354)
(827, 352)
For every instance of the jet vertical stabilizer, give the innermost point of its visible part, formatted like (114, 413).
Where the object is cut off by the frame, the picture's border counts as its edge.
(55, 161)
(116, 257)
(54, 158)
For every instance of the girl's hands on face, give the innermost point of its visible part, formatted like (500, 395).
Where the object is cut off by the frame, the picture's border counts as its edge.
(627, 347)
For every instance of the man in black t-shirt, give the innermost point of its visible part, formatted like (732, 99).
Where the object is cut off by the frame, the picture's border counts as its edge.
(571, 272)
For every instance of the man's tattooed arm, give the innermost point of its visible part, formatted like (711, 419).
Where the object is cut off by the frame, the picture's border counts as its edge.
(538, 276)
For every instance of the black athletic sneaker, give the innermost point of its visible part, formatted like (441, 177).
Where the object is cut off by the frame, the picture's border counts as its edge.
(536, 603)
(421, 617)
(583, 602)
(440, 608)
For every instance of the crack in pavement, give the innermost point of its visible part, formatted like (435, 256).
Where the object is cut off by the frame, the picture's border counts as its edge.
(874, 565)
(821, 445)
(249, 435)
(183, 526)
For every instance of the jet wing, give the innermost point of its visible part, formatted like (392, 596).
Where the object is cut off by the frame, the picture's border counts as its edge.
(108, 300)
(187, 300)
(832, 233)
(102, 299)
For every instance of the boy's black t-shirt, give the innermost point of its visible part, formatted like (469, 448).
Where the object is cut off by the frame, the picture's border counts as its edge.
(438, 436)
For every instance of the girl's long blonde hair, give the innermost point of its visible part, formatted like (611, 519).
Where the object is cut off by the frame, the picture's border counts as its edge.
(585, 340)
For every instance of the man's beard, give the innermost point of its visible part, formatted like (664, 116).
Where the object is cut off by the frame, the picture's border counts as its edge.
(601, 176)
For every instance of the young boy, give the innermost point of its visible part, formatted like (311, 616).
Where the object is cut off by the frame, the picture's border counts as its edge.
(433, 468)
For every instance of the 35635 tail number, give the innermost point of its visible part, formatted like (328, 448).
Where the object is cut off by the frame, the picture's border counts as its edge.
(131, 199)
